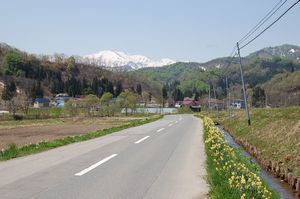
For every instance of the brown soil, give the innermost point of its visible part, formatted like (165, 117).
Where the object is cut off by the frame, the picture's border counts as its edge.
(34, 134)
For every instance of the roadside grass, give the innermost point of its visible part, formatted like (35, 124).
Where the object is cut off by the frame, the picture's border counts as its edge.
(230, 174)
(275, 132)
(13, 151)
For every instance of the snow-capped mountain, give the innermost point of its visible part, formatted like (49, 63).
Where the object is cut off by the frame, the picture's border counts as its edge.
(122, 60)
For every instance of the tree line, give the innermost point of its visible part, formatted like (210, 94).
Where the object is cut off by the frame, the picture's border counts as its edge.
(60, 76)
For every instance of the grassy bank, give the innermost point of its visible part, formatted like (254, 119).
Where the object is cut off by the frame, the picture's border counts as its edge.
(13, 151)
(274, 132)
(230, 174)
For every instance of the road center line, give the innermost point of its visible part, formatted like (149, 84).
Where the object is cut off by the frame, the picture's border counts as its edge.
(170, 124)
(159, 130)
(176, 122)
(141, 140)
(95, 165)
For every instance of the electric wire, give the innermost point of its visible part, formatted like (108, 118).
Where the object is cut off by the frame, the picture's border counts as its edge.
(263, 21)
(268, 27)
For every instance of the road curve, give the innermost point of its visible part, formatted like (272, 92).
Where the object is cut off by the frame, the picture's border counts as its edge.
(163, 159)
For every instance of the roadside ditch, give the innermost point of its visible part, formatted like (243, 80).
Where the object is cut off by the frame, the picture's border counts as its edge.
(279, 178)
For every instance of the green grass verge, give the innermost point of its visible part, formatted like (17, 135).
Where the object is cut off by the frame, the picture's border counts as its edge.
(230, 174)
(13, 151)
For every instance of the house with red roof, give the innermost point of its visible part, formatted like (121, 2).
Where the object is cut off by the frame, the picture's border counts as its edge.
(192, 104)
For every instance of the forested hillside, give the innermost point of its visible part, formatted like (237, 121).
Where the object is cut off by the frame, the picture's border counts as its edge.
(273, 78)
(287, 51)
(40, 76)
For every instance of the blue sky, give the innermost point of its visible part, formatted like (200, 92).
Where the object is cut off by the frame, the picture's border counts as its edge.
(186, 30)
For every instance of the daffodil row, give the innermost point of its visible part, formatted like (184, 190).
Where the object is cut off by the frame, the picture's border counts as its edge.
(237, 171)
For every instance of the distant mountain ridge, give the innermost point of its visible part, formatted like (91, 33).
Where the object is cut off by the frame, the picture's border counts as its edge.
(284, 51)
(275, 68)
(115, 59)
(121, 61)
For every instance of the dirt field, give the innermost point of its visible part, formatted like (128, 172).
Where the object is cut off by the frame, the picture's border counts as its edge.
(34, 131)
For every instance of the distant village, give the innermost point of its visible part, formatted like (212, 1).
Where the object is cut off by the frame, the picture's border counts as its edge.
(60, 99)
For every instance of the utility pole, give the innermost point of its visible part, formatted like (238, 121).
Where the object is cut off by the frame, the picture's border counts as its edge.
(209, 99)
(266, 99)
(162, 101)
(215, 95)
(227, 101)
(243, 84)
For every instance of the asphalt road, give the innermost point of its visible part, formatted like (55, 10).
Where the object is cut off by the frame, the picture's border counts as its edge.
(163, 159)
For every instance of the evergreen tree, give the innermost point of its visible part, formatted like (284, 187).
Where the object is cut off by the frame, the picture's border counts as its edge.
(9, 91)
(139, 89)
(110, 88)
(164, 94)
(36, 90)
(258, 97)
(118, 89)
(57, 86)
(177, 95)
(95, 85)
(197, 95)
(85, 84)
(188, 93)
(104, 84)
(99, 86)
(73, 87)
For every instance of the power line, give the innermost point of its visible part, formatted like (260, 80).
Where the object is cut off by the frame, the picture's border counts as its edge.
(231, 55)
(270, 25)
(263, 21)
(233, 51)
(236, 51)
(232, 58)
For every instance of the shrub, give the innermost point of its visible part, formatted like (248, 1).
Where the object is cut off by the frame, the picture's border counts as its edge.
(11, 152)
(18, 117)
